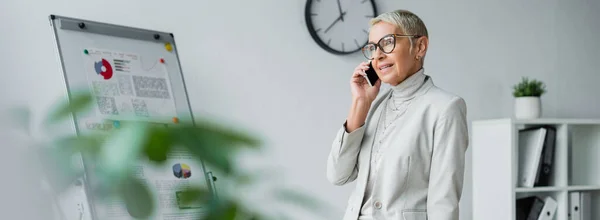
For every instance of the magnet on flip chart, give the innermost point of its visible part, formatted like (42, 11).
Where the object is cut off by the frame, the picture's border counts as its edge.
(169, 47)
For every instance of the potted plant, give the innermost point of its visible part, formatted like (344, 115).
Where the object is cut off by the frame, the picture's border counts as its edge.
(527, 93)
(112, 153)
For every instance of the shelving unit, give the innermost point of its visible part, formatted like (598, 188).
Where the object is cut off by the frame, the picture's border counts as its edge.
(576, 166)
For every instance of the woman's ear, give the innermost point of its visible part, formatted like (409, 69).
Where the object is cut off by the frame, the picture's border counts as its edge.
(422, 45)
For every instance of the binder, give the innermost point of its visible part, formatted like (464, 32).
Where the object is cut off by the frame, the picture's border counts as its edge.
(574, 206)
(585, 202)
(531, 144)
(580, 207)
(549, 209)
(545, 166)
(529, 208)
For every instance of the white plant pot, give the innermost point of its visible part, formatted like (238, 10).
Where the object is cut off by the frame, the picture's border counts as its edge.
(528, 107)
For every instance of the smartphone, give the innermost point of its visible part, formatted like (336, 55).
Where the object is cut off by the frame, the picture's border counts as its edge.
(371, 75)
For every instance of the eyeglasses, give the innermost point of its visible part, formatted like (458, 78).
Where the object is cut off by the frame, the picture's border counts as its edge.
(387, 44)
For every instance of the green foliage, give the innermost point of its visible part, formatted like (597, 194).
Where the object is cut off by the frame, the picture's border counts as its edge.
(79, 101)
(133, 192)
(114, 153)
(529, 88)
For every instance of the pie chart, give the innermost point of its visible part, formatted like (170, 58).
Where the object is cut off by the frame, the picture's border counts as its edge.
(182, 171)
(103, 68)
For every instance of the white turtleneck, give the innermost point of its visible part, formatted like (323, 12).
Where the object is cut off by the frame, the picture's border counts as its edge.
(395, 105)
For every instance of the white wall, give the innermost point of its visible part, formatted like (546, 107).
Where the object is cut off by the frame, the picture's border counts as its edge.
(249, 65)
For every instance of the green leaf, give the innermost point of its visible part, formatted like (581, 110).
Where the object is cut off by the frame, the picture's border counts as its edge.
(209, 149)
(158, 144)
(138, 198)
(212, 144)
(224, 211)
(77, 103)
(187, 197)
(529, 88)
(235, 137)
(121, 151)
(86, 144)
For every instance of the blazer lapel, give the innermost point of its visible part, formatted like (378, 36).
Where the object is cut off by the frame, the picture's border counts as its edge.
(372, 122)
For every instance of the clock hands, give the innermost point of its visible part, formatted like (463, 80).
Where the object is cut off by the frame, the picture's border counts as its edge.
(340, 9)
(341, 17)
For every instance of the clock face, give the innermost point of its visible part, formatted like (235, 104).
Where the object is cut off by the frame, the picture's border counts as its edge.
(340, 26)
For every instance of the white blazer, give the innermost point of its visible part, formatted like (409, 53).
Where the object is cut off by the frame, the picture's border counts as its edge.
(421, 171)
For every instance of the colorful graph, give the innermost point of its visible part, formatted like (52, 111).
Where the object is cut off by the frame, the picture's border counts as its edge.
(107, 72)
(182, 171)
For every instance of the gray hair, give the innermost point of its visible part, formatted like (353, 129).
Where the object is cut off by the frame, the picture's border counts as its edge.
(407, 21)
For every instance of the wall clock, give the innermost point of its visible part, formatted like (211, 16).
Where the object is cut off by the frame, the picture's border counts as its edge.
(339, 26)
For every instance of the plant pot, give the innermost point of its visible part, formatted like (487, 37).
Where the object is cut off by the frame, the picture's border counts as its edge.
(528, 107)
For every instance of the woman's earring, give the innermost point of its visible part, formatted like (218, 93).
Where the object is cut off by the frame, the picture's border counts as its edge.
(418, 57)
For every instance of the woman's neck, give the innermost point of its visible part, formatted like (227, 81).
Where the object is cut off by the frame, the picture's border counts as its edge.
(409, 86)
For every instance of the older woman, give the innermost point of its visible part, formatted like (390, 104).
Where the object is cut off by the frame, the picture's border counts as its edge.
(405, 149)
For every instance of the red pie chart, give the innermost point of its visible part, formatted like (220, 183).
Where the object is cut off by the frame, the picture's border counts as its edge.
(104, 69)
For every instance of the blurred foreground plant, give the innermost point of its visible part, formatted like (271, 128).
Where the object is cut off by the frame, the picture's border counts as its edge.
(113, 154)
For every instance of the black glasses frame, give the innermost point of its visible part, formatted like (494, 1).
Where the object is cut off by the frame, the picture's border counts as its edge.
(378, 44)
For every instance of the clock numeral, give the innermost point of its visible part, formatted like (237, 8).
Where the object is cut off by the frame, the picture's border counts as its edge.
(329, 41)
(318, 30)
(369, 16)
(363, 1)
(313, 14)
(366, 32)
(343, 50)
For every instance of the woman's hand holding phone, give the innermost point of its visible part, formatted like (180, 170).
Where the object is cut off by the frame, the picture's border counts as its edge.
(361, 89)
(363, 95)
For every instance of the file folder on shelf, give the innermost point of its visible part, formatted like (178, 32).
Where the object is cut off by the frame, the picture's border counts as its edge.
(529, 208)
(546, 163)
(580, 207)
(536, 208)
(549, 209)
(531, 144)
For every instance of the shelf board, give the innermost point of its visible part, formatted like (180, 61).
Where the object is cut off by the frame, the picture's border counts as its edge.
(583, 188)
(556, 189)
(572, 121)
(540, 189)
